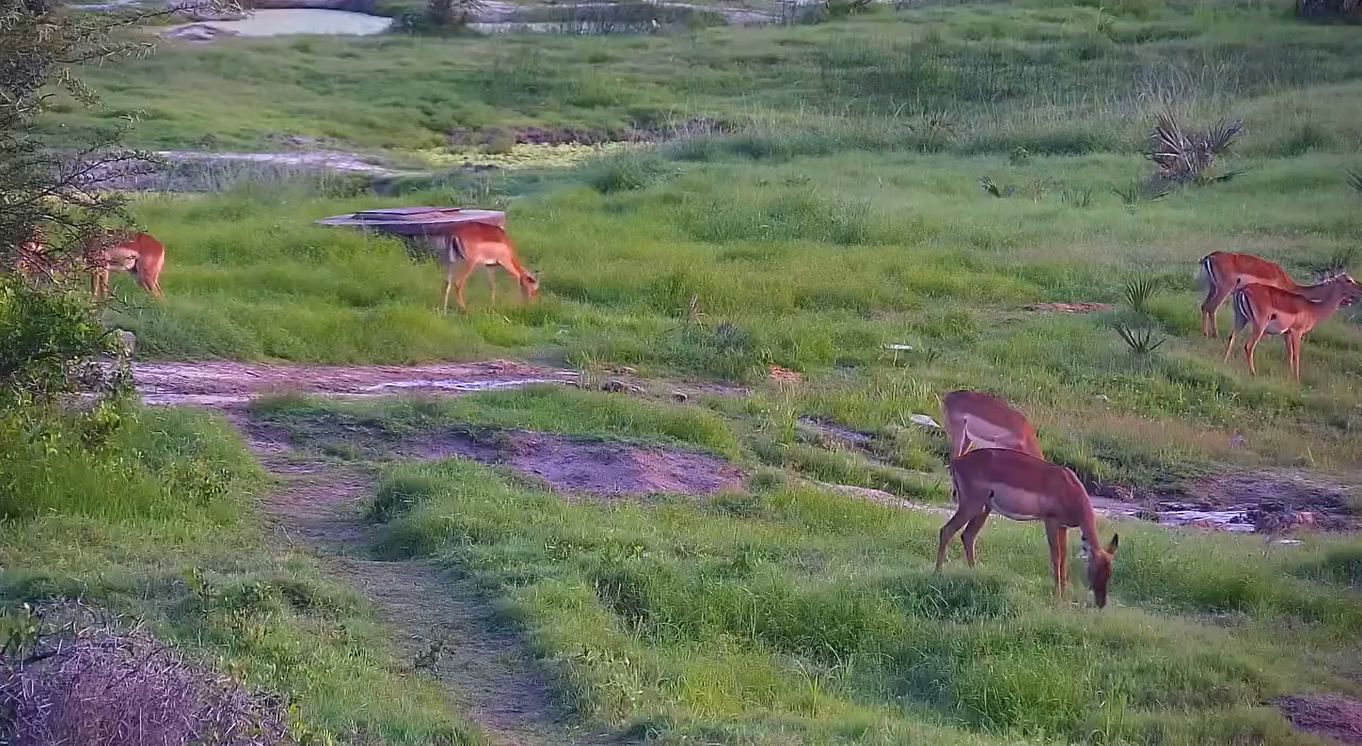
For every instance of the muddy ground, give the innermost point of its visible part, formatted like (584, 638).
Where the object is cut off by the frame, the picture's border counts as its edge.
(1273, 502)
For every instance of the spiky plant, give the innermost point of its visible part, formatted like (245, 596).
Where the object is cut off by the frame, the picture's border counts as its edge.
(1181, 156)
(1140, 340)
(1138, 292)
(1355, 180)
(990, 186)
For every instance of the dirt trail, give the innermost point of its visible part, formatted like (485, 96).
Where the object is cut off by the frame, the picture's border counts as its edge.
(447, 626)
(223, 384)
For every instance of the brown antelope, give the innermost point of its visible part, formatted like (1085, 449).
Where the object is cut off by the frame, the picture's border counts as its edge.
(1223, 273)
(1025, 488)
(986, 421)
(28, 263)
(128, 251)
(476, 245)
(1275, 311)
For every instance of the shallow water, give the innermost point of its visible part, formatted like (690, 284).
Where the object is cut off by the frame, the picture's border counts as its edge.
(304, 21)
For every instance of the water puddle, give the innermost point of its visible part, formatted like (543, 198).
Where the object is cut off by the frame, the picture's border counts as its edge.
(291, 22)
(228, 384)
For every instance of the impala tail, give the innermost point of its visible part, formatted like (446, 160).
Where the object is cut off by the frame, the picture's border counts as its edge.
(1243, 310)
(1205, 275)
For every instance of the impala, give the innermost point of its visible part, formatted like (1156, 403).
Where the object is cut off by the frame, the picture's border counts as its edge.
(1224, 272)
(28, 263)
(128, 251)
(1025, 488)
(979, 420)
(1275, 311)
(477, 245)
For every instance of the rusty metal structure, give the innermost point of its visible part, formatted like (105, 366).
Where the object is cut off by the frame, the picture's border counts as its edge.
(412, 222)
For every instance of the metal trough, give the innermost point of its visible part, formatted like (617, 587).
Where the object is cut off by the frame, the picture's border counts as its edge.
(414, 221)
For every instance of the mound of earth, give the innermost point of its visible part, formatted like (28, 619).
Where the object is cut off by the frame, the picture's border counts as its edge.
(597, 468)
(1329, 715)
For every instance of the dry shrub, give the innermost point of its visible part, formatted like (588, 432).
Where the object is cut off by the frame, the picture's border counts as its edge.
(100, 685)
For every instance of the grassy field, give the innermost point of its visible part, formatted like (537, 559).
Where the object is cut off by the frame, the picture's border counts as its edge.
(814, 196)
(159, 525)
(786, 614)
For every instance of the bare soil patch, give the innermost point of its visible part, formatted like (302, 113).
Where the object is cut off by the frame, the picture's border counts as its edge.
(596, 468)
(447, 627)
(221, 384)
(1069, 307)
(1328, 715)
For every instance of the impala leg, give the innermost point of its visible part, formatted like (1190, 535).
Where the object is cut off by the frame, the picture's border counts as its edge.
(1258, 331)
(1229, 348)
(948, 532)
(971, 531)
(1063, 561)
(1214, 299)
(462, 279)
(449, 283)
(1293, 353)
(492, 281)
(1052, 534)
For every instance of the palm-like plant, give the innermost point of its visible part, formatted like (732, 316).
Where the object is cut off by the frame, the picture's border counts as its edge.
(1355, 180)
(1183, 156)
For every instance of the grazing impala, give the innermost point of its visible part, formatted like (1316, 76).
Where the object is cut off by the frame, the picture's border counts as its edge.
(28, 263)
(1275, 311)
(979, 420)
(1223, 273)
(1025, 488)
(128, 251)
(477, 245)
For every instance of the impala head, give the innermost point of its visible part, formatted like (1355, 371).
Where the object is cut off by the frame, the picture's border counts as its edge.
(1352, 290)
(1099, 568)
(529, 285)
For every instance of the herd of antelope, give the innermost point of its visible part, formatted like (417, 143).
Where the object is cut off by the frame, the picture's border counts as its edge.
(995, 460)
(460, 249)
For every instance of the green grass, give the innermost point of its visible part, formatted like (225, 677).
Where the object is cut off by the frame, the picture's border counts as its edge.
(823, 200)
(796, 616)
(1047, 76)
(814, 263)
(160, 525)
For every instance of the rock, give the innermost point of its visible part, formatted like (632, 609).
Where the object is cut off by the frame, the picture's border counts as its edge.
(785, 375)
(679, 396)
(615, 386)
(127, 342)
(925, 421)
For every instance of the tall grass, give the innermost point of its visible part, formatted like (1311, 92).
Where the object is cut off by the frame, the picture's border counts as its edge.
(160, 525)
(801, 616)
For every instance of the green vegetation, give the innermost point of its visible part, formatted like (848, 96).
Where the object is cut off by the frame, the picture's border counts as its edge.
(790, 615)
(813, 202)
(159, 524)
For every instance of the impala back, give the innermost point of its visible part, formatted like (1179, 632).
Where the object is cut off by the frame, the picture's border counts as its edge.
(978, 420)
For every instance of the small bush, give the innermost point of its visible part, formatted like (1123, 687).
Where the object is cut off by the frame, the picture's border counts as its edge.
(102, 685)
(627, 173)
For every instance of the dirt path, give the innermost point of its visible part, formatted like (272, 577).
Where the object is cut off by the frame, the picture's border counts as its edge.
(224, 384)
(446, 625)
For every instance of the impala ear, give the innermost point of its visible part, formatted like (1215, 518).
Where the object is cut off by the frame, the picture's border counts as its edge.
(1115, 539)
